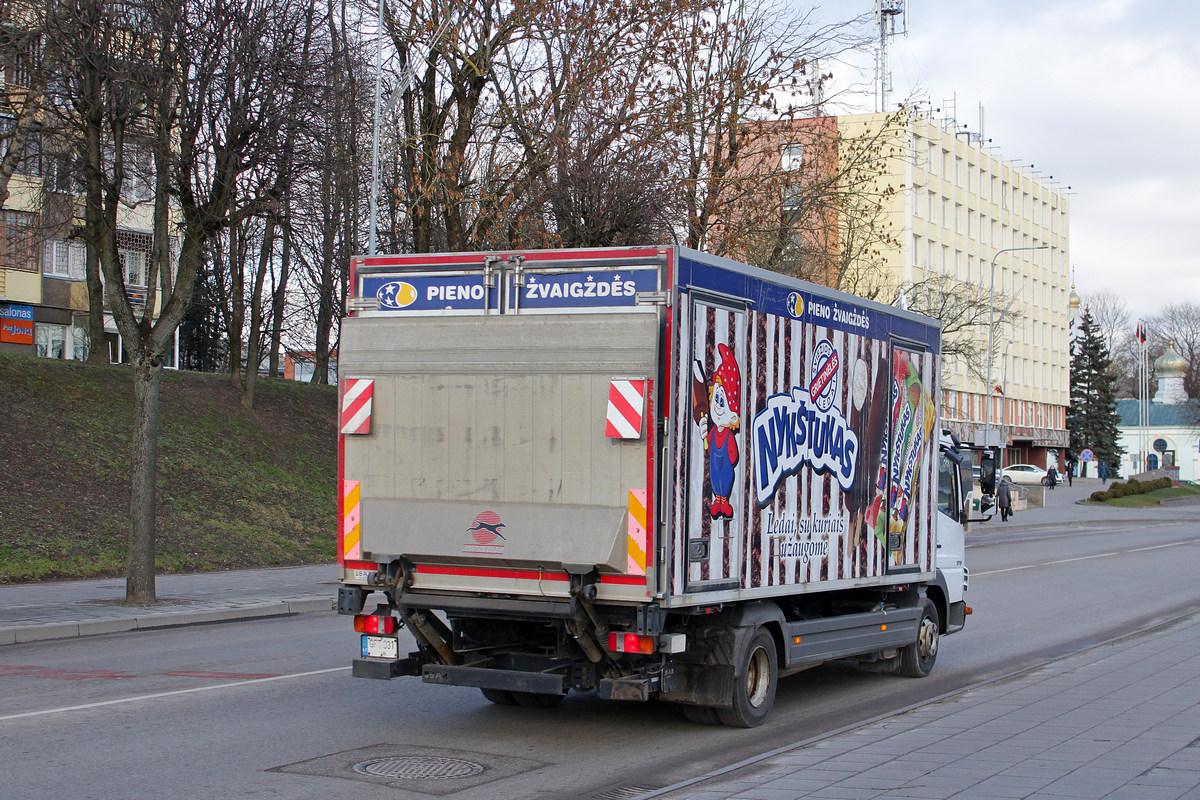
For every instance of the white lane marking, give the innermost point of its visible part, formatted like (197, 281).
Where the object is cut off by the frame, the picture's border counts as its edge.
(1081, 558)
(174, 693)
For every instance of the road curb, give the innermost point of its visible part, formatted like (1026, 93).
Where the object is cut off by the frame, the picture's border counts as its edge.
(21, 634)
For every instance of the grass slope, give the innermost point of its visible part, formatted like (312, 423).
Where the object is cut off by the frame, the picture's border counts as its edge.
(236, 487)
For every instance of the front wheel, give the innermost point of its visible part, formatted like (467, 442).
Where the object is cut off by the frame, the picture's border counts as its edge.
(754, 684)
(917, 659)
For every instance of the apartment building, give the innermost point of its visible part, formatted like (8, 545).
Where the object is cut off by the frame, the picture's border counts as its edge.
(955, 206)
(44, 305)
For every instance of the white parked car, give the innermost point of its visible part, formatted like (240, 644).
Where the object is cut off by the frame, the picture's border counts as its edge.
(1024, 473)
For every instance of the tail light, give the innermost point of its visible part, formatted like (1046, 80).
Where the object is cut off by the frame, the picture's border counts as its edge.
(374, 623)
(630, 643)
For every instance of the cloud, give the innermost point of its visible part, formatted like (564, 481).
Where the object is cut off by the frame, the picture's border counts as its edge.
(1101, 95)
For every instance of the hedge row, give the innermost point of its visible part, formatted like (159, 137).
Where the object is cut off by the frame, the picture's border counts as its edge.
(1134, 486)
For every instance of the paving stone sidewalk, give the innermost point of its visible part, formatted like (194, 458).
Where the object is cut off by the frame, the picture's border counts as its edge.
(63, 609)
(1117, 722)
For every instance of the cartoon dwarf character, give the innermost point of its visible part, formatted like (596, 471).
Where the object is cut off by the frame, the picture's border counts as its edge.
(725, 411)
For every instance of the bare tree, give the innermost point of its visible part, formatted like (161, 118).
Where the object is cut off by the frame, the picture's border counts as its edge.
(445, 49)
(25, 59)
(734, 64)
(197, 83)
(1111, 317)
(966, 311)
(585, 149)
(1179, 324)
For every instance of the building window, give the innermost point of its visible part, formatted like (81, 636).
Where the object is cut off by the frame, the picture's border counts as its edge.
(18, 240)
(134, 267)
(138, 185)
(49, 341)
(63, 259)
(59, 171)
(30, 160)
(19, 49)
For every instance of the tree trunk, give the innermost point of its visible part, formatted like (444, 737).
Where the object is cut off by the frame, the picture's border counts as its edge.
(147, 380)
(254, 342)
(278, 298)
(237, 302)
(97, 344)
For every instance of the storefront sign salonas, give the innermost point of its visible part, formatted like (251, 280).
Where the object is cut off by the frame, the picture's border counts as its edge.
(16, 324)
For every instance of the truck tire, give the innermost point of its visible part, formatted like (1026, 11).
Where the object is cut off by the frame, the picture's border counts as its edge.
(916, 660)
(701, 715)
(501, 697)
(537, 699)
(754, 684)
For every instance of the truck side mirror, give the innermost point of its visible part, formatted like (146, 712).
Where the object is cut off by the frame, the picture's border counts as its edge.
(987, 471)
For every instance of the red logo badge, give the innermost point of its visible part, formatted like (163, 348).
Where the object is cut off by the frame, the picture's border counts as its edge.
(485, 532)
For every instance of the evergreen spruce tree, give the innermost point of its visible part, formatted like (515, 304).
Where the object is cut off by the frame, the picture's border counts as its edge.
(1092, 415)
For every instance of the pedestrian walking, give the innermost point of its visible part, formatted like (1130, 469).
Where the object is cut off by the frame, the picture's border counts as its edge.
(1103, 473)
(1051, 478)
(1070, 473)
(1004, 499)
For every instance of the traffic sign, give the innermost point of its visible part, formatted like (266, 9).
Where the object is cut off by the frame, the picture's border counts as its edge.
(1086, 455)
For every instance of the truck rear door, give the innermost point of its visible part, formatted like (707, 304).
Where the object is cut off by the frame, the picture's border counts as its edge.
(511, 435)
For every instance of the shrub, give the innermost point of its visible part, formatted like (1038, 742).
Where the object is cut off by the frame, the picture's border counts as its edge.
(1118, 490)
(1100, 497)
(1135, 486)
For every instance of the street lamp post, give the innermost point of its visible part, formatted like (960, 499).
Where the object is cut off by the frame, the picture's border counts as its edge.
(987, 405)
(1004, 413)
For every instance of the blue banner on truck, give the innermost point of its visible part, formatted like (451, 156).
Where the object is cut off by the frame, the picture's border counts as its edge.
(436, 293)
(829, 309)
(600, 289)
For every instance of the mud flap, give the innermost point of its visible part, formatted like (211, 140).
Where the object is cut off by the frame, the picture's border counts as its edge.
(701, 685)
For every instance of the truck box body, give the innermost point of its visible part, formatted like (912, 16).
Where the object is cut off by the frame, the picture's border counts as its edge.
(676, 430)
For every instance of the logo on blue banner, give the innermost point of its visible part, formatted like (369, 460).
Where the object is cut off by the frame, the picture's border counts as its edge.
(429, 293)
(395, 295)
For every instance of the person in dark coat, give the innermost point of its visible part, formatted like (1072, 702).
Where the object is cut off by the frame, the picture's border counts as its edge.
(1004, 499)
(1051, 477)
(1103, 473)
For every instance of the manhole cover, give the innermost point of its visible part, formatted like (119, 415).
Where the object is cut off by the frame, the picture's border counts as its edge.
(418, 768)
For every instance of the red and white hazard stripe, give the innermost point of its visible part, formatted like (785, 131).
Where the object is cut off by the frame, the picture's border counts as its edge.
(626, 404)
(356, 405)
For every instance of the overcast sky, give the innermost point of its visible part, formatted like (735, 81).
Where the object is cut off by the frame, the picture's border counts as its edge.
(1102, 94)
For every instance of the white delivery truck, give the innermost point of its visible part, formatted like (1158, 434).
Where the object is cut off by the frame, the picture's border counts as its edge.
(648, 472)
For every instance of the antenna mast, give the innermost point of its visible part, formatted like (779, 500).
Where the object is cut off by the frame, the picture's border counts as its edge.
(886, 12)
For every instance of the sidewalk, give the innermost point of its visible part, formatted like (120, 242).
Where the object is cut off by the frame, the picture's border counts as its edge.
(1063, 507)
(1119, 722)
(63, 609)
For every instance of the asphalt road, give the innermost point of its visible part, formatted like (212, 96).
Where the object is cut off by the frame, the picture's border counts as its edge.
(268, 709)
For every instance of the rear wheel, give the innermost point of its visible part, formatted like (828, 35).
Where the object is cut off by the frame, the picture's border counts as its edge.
(501, 697)
(916, 660)
(701, 715)
(756, 677)
(537, 699)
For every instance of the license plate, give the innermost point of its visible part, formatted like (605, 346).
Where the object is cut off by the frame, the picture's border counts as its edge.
(380, 647)
(360, 575)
